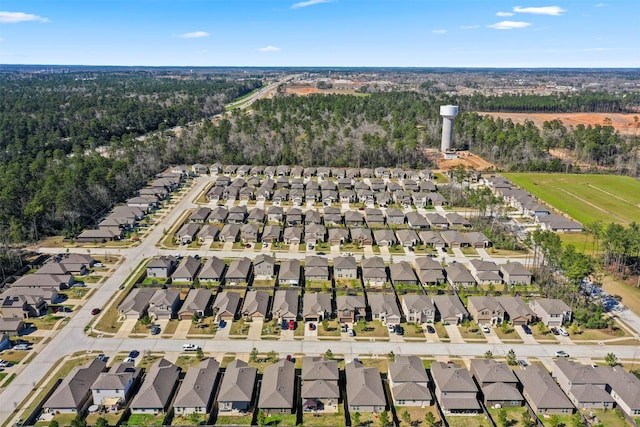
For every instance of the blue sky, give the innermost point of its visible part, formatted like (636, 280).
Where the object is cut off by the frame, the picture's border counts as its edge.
(402, 33)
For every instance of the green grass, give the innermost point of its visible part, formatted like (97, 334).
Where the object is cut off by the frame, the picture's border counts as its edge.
(586, 198)
(609, 418)
(467, 421)
(325, 419)
(242, 420)
(514, 415)
(145, 420)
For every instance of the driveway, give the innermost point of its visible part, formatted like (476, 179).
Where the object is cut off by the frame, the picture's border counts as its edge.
(492, 337)
(126, 328)
(255, 330)
(454, 334)
(309, 333)
(223, 334)
(526, 338)
(163, 325)
(183, 329)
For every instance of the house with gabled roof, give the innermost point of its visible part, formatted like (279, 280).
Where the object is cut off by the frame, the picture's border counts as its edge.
(552, 312)
(583, 384)
(271, 234)
(187, 233)
(320, 390)
(437, 221)
(208, 234)
(237, 215)
(256, 216)
(401, 273)
(457, 221)
(292, 235)
(624, 388)
(458, 276)
(197, 389)
(212, 270)
(542, 393)
(455, 389)
(429, 271)
(514, 273)
(384, 237)
(285, 305)
(113, 389)
(17, 304)
(407, 237)
(236, 390)
(135, 305)
(249, 233)
(316, 268)
(351, 308)
(516, 311)
(417, 221)
(374, 271)
(289, 273)
(200, 215)
(157, 389)
(395, 216)
(385, 308)
(485, 272)
(374, 216)
(264, 266)
(332, 216)
(353, 219)
(312, 217)
(498, 383)
(418, 309)
(432, 239)
(278, 388)
(362, 236)
(449, 309)
(409, 382)
(294, 216)
(229, 233)
(239, 271)
(275, 214)
(187, 270)
(164, 304)
(316, 306)
(256, 304)
(345, 267)
(485, 310)
(73, 395)
(338, 236)
(364, 388)
(314, 233)
(197, 303)
(226, 306)
(477, 239)
(454, 239)
(218, 214)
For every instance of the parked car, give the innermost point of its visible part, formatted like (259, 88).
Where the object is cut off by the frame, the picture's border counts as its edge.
(4, 364)
(129, 360)
(431, 329)
(523, 363)
(292, 324)
(563, 332)
(399, 330)
(391, 328)
(22, 347)
(134, 353)
(555, 331)
(222, 324)
(284, 325)
(190, 347)
(562, 353)
(312, 326)
(485, 329)
(95, 311)
(155, 329)
(351, 332)
(526, 329)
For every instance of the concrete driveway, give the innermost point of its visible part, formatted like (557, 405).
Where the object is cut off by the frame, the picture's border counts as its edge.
(255, 330)
(309, 333)
(126, 328)
(183, 329)
(526, 338)
(454, 334)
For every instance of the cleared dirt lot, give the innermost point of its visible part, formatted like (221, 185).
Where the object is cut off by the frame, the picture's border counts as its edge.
(623, 123)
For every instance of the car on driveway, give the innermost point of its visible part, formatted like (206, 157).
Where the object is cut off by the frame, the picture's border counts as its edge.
(391, 328)
(563, 332)
(134, 353)
(155, 329)
(555, 331)
(562, 353)
(526, 329)
(431, 329)
(129, 360)
(312, 326)
(95, 311)
(522, 363)
(4, 364)
(485, 329)
(292, 324)
(222, 324)
(399, 330)
(284, 325)
(21, 347)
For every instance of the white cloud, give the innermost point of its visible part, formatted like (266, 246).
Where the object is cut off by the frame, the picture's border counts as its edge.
(469, 27)
(195, 35)
(509, 25)
(439, 31)
(545, 10)
(269, 49)
(504, 14)
(15, 17)
(308, 3)
(600, 5)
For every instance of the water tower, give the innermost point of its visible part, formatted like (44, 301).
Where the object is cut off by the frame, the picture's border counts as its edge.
(448, 113)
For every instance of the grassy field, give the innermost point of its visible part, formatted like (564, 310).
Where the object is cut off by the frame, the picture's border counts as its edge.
(586, 198)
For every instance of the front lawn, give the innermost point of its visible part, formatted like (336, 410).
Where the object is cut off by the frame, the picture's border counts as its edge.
(333, 329)
(416, 414)
(205, 327)
(441, 331)
(372, 329)
(471, 330)
(412, 330)
(271, 328)
(240, 327)
(507, 332)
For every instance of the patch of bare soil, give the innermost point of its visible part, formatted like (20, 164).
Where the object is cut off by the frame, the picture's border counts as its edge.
(469, 160)
(624, 123)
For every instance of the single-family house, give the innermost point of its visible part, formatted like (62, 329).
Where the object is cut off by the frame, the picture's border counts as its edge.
(624, 388)
(312, 217)
(542, 393)
(449, 309)
(187, 233)
(498, 383)
(338, 236)
(385, 237)
(285, 305)
(226, 306)
(437, 221)
(11, 325)
(135, 305)
(15, 303)
(514, 273)
(236, 390)
(516, 311)
(429, 271)
(229, 233)
(432, 239)
(485, 310)
(289, 273)
(401, 273)
(362, 236)
(385, 308)
(477, 239)
(218, 215)
(314, 233)
(418, 309)
(237, 215)
(364, 388)
(454, 239)
(278, 388)
(374, 271)
(417, 221)
(239, 271)
(292, 235)
(264, 266)
(353, 219)
(458, 276)
(457, 221)
(249, 233)
(157, 389)
(345, 267)
(320, 391)
(208, 234)
(275, 214)
(316, 306)
(197, 389)
(584, 385)
(271, 234)
(256, 216)
(256, 304)
(374, 217)
(316, 268)
(332, 216)
(200, 215)
(351, 308)
(164, 304)
(485, 272)
(294, 216)
(409, 382)
(395, 216)
(73, 395)
(212, 270)
(113, 389)
(197, 303)
(455, 389)
(407, 237)
(552, 312)
(187, 270)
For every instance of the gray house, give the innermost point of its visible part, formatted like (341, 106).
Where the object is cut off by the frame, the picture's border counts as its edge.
(187, 270)
(485, 272)
(429, 271)
(161, 267)
(226, 306)
(553, 312)
(584, 385)
(402, 274)
(542, 393)
(73, 395)
(278, 387)
(385, 237)
(256, 304)
(374, 271)
(113, 389)
(364, 388)
(345, 267)
(316, 268)
(196, 303)
(514, 273)
(187, 233)
(229, 233)
(164, 304)
(157, 389)
(455, 389)
(264, 266)
(458, 276)
(516, 311)
(418, 309)
(320, 390)
(624, 388)
(316, 306)
(239, 271)
(351, 308)
(289, 273)
(236, 390)
(449, 309)
(385, 308)
(197, 389)
(498, 383)
(285, 305)
(212, 270)
(409, 382)
(135, 305)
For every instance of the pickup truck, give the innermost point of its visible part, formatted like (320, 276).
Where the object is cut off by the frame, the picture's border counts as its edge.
(190, 347)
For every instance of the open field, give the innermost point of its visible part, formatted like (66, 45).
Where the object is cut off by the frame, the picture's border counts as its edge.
(586, 198)
(623, 123)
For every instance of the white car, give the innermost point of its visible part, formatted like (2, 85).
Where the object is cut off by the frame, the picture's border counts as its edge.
(391, 328)
(21, 347)
(190, 347)
(562, 353)
(485, 329)
(4, 364)
(563, 332)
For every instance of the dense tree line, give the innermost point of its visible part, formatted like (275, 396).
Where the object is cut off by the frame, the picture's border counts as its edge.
(69, 146)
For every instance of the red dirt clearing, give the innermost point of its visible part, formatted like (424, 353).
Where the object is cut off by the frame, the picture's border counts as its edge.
(623, 123)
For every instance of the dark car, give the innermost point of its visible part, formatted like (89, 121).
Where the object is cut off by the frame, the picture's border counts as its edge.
(444, 250)
(134, 353)
(285, 325)
(222, 324)
(312, 326)
(155, 329)
(431, 329)
(526, 329)
(555, 331)
(95, 311)
(399, 330)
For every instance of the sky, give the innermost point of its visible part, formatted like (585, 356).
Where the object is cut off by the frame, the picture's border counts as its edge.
(331, 33)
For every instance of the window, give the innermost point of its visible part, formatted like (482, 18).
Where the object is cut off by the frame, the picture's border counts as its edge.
(565, 410)
(356, 408)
